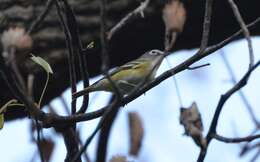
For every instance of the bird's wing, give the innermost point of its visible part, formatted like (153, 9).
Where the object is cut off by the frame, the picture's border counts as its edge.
(130, 65)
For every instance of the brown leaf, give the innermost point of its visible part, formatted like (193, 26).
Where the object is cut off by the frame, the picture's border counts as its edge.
(191, 120)
(136, 133)
(18, 38)
(47, 146)
(174, 16)
(118, 158)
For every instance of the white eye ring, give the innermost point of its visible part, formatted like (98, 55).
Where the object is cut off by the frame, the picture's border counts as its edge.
(153, 52)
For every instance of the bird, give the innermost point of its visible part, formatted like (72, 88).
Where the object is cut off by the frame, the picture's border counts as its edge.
(128, 76)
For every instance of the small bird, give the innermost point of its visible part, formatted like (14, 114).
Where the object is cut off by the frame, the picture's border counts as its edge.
(129, 75)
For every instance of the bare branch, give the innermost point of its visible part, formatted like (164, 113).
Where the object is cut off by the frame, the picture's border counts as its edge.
(197, 67)
(71, 57)
(212, 130)
(78, 50)
(245, 31)
(235, 140)
(41, 17)
(254, 158)
(129, 17)
(241, 94)
(206, 25)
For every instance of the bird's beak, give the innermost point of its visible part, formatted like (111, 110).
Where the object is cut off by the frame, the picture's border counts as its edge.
(166, 53)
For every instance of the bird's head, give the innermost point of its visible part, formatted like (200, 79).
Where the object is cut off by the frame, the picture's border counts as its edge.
(153, 54)
(155, 57)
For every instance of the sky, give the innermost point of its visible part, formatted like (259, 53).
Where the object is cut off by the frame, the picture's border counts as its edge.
(159, 110)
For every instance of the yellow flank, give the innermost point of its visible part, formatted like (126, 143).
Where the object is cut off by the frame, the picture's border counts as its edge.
(133, 75)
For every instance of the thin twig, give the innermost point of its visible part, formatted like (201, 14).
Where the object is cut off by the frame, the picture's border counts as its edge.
(77, 48)
(246, 145)
(129, 17)
(245, 31)
(39, 140)
(19, 92)
(71, 57)
(64, 104)
(111, 112)
(16, 69)
(250, 148)
(257, 154)
(199, 66)
(30, 81)
(212, 130)
(178, 92)
(100, 124)
(71, 143)
(41, 17)
(44, 89)
(101, 152)
(104, 52)
(206, 25)
(235, 140)
(241, 94)
(68, 133)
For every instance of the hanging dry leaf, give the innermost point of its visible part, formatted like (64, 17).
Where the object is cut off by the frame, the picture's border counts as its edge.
(2, 121)
(136, 133)
(174, 17)
(47, 146)
(191, 120)
(16, 37)
(118, 158)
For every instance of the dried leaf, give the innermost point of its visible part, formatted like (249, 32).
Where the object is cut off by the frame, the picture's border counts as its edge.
(174, 16)
(191, 120)
(44, 64)
(16, 37)
(3, 109)
(136, 133)
(47, 146)
(118, 158)
(2, 121)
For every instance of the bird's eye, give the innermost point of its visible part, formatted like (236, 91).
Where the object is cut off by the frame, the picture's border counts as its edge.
(153, 52)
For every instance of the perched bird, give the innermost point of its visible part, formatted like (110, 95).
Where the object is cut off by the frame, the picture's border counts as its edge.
(129, 75)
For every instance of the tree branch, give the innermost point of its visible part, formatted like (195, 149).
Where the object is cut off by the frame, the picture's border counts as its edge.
(129, 17)
(235, 140)
(245, 31)
(212, 130)
(184, 65)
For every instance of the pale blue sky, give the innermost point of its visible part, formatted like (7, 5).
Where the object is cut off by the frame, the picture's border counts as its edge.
(159, 109)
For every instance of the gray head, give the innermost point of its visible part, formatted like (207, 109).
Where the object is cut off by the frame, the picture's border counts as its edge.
(155, 56)
(153, 53)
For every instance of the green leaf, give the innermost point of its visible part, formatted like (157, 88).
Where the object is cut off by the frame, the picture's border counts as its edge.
(91, 45)
(2, 121)
(44, 64)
